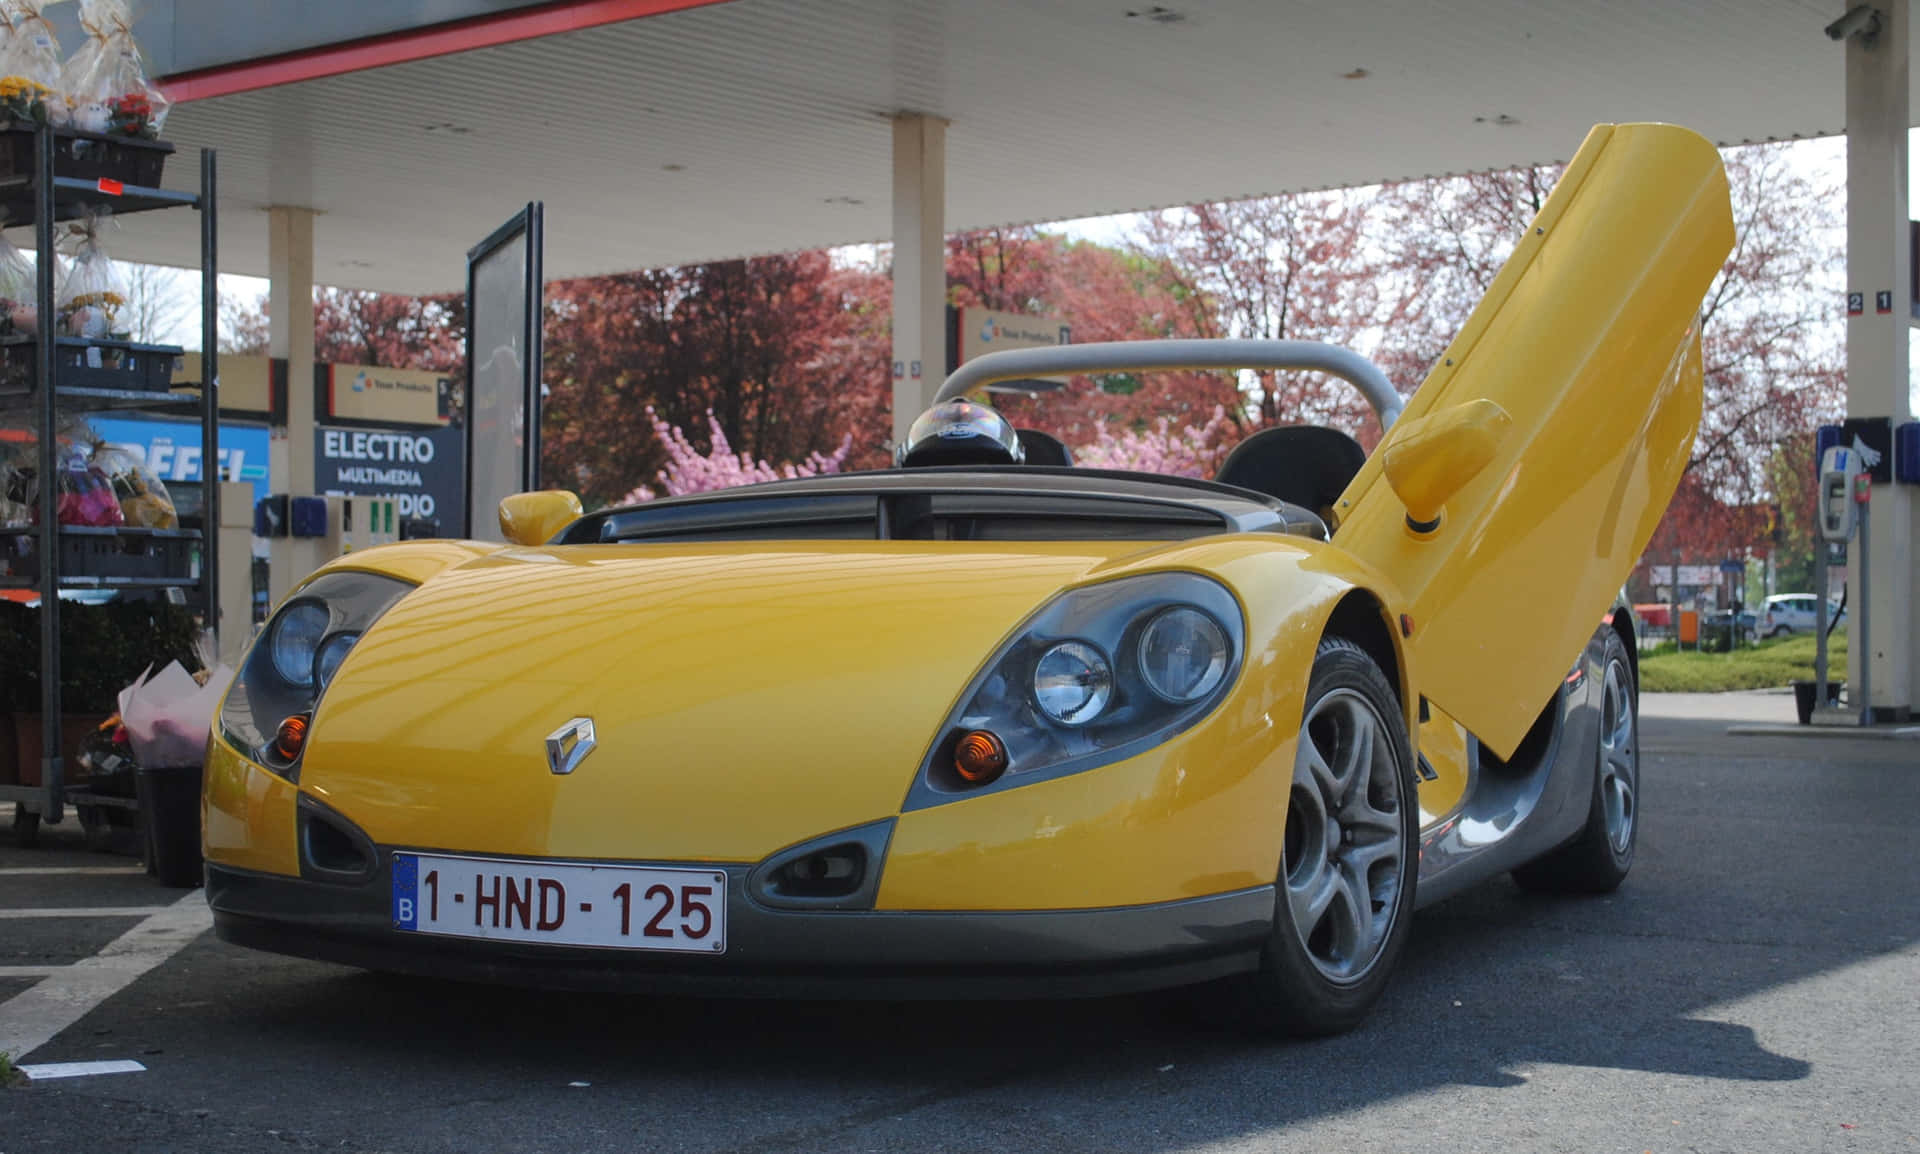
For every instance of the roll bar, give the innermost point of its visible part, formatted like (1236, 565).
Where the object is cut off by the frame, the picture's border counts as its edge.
(1136, 356)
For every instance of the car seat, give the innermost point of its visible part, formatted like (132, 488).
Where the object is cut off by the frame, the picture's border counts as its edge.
(1306, 465)
(1044, 448)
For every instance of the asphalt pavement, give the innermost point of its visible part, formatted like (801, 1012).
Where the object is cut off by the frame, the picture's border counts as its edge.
(1755, 986)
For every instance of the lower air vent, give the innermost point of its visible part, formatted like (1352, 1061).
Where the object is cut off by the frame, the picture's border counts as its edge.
(840, 871)
(331, 847)
(835, 872)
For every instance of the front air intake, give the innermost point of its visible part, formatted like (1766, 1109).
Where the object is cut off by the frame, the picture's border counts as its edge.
(840, 871)
(333, 849)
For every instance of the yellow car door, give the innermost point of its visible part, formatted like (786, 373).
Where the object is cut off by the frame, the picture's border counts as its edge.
(1527, 473)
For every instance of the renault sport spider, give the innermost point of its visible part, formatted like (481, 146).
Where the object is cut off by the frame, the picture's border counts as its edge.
(1015, 729)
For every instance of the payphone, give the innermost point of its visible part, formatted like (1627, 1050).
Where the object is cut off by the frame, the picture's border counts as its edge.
(1840, 468)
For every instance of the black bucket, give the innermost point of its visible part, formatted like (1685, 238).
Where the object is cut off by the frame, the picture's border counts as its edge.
(1805, 692)
(170, 813)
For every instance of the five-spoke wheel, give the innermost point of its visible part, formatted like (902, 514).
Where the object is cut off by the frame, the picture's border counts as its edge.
(1347, 867)
(1344, 836)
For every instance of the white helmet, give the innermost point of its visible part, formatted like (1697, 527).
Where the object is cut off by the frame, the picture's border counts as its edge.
(959, 432)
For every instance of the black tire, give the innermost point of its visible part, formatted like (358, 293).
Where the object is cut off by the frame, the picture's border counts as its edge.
(1597, 860)
(26, 827)
(1781, 631)
(1326, 979)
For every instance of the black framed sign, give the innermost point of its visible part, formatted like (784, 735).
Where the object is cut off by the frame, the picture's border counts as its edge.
(504, 312)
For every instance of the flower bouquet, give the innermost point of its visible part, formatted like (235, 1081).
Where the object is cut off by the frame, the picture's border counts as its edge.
(105, 84)
(18, 311)
(23, 101)
(93, 292)
(29, 62)
(133, 115)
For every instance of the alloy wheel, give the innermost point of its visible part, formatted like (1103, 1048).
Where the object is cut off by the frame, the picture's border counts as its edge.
(1619, 756)
(1344, 837)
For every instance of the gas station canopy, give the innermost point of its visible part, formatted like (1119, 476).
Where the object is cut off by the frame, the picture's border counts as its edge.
(674, 131)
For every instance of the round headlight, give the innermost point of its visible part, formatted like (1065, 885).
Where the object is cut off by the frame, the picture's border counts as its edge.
(1072, 682)
(1183, 655)
(332, 653)
(296, 638)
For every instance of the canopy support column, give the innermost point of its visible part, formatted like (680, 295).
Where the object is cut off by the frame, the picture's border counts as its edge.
(1877, 368)
(290, 335)
(919, 266)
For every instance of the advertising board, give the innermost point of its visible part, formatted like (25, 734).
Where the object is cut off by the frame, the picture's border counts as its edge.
(421, 468)
(171, 449)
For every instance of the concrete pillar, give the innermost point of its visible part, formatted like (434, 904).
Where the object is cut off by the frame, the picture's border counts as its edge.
(1877, 368)
(290, 335)
(919, 266)
(236, 569)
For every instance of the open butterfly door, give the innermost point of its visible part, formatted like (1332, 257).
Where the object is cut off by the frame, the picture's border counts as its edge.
(1529, 470)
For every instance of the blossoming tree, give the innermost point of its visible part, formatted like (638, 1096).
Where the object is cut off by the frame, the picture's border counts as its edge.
(691, 471)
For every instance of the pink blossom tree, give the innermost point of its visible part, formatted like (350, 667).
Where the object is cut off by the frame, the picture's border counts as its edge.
(691, 471)
(1188, 451)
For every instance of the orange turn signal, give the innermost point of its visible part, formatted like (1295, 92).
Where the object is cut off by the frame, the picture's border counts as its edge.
(291, 738)
(979, 757)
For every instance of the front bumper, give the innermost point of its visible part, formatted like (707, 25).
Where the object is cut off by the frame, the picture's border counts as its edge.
(778, 953)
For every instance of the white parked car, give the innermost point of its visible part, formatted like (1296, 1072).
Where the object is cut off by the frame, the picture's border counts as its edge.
(1786, 613)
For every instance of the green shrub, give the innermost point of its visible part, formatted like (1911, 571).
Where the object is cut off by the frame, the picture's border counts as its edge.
(102, 649)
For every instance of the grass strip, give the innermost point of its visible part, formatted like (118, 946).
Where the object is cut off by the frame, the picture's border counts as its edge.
(1767, 665)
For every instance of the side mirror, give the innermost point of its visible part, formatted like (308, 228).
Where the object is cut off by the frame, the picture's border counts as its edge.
(1433, 456)
(535, 518)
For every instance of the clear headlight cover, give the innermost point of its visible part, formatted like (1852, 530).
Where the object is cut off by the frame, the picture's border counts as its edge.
(1072, 682)
(294, 638)
(1183, 654)
(1099, 674)
(297, 655)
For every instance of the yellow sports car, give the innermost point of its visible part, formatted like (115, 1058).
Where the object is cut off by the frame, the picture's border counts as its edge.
(961, 727)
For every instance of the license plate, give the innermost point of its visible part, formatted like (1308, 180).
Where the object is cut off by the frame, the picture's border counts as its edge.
(552, 903)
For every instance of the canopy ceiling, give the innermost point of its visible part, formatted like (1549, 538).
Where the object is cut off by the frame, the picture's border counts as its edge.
(759, 126)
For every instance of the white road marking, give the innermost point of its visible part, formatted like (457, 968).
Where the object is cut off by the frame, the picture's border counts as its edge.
(44, 871)
(31, 1018)
(50, 1070)
(28, 971)
(86, 912)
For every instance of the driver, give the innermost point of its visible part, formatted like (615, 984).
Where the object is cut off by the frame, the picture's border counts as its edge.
(959, 432)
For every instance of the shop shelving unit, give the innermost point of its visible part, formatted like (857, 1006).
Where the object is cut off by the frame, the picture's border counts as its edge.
(45, 197)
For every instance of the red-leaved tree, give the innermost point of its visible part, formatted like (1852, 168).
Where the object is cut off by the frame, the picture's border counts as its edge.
(785, 352)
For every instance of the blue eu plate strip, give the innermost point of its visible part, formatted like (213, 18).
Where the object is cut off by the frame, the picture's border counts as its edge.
(406, 880)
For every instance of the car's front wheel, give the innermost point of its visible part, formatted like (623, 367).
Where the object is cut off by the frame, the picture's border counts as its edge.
(1349, 861)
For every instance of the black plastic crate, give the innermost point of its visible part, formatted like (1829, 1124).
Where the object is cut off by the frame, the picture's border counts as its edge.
(86, 155)
(107, 554)
(83, 364)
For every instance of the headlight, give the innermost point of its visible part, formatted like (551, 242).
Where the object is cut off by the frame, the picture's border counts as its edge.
(294, 638)
(1101, 673)
(290, 667)
(326, 662)
(1072, 682)
(1183, 654)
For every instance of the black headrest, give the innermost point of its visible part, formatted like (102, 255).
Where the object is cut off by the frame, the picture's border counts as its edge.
(1043, 448)
(1308, 465)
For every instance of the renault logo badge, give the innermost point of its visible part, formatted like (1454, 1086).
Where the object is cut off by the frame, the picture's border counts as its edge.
(569, 745)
